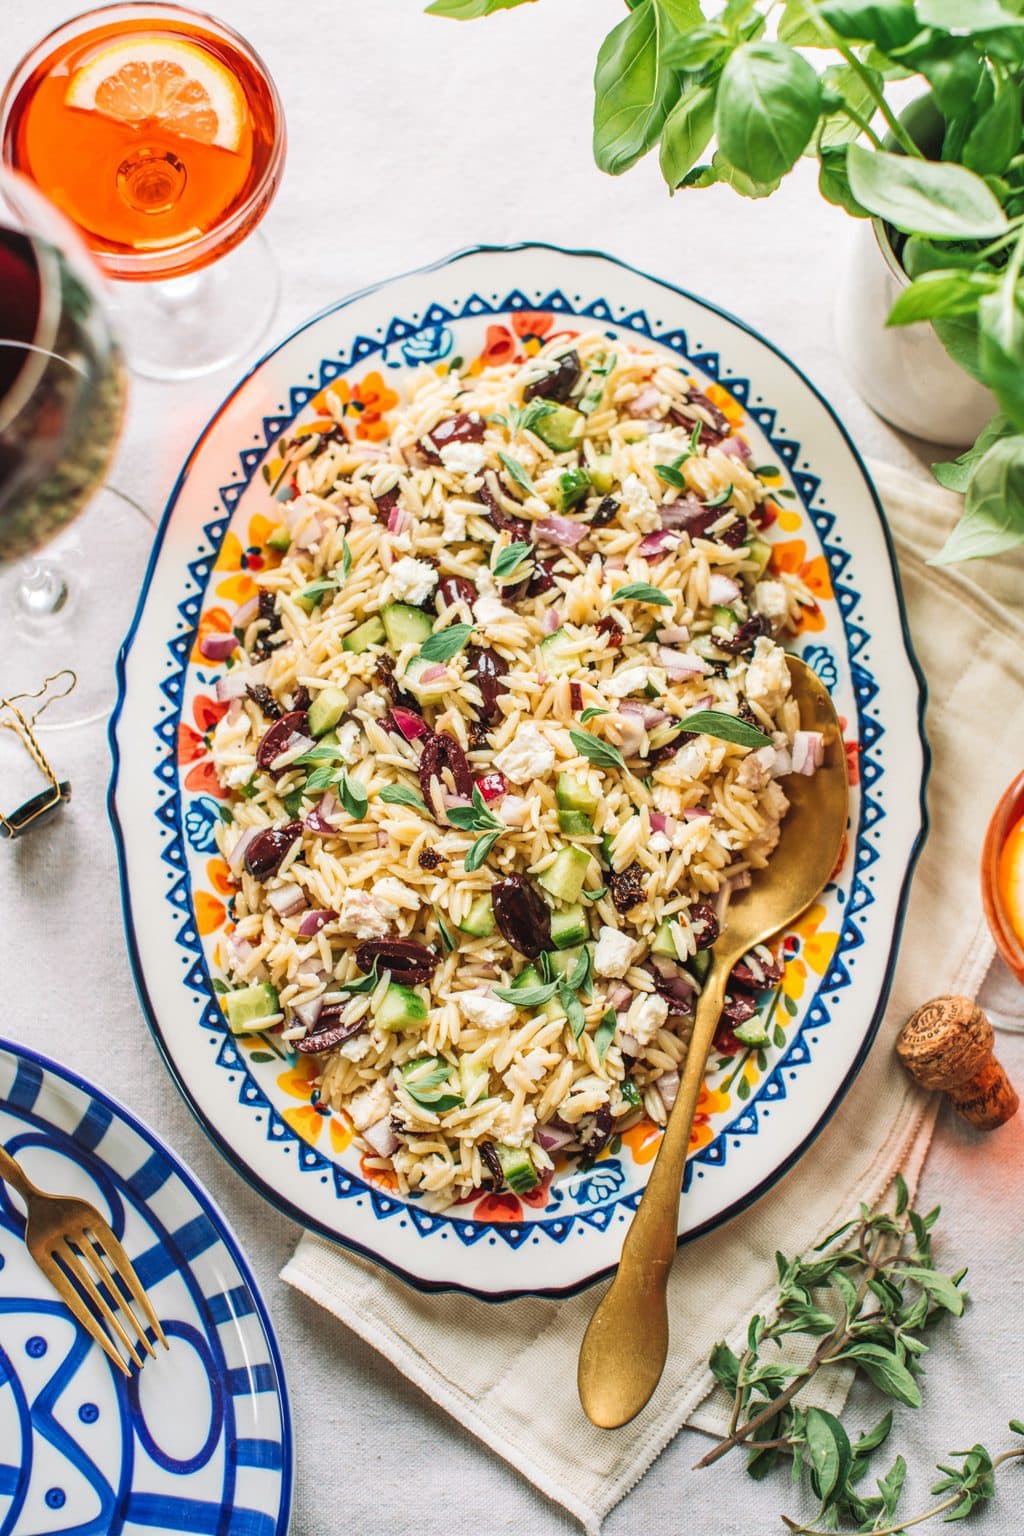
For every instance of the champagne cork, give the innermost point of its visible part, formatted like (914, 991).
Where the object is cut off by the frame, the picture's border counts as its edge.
(947, 1044)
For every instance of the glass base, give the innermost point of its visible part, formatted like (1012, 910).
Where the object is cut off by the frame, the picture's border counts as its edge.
(193, 325)
(71, 608)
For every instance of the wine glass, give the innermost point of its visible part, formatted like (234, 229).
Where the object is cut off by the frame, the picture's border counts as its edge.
(62, 400)
(159, 132)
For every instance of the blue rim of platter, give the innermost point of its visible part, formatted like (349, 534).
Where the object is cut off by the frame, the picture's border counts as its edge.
(836, 975)
(103, 1111)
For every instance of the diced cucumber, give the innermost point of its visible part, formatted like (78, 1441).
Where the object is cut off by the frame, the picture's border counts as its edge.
(564, 877)
(406, 625)
(704, 646)
(725, 618)
(427, 693)
(251, 1008)
(752, 1032)
(280, 539)
(575, 824)
(564, 961)
(760, 552)
(560, 427)
(601, 477)
(555, 655)
(700, 963)
(664, 941)
(569, 926)
(529, 976)
(573, 486)
(517, 1168)
(574, 793)
(326, 710)
(365, 635)
(474, 1079)
(400, 1008)
(606, 847)
(479, 920)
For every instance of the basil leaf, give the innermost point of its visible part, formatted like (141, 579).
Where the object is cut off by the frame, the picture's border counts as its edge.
(722, 497)
(448, 939)
(425, 1073)
(400, 794)
(842, 87)
(318, 589)
(591, 713)
(527, 997)
(642, 592)
(479, 851)
(446, 643)
(630, 1092)
(323, 778)
(517, 472)
(671, 476)
(580, 971)
(929, 197)
(834, 183)
(768, 102)
(475, 817)
(511, 557)
(346, 560)
(993, 519)
(353, 797)
(948, 15)
(1001, 345)
(955, 475)
(572, 1008)
(886, 23)
(714, 722)
(995, 137)
(605, 1033)
(600, 752)
(326, 754)
(688, 128)
(635, 82)
(941, 293)
(364, 984)
(469, 10)
(595, 895)
(828, 1449)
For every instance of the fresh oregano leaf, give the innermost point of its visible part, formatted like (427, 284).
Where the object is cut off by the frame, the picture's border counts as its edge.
(401, 794)
(714, 722)
(597, 751)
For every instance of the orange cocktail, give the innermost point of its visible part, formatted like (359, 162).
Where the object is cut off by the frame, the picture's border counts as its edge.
(155, 129)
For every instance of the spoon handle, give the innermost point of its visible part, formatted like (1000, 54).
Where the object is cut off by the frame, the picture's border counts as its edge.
(625, 1346)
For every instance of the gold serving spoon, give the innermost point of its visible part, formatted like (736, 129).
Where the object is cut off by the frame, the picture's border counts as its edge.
(624, 1349)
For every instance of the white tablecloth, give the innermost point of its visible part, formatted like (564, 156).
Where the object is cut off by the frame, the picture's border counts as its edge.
(410, 137)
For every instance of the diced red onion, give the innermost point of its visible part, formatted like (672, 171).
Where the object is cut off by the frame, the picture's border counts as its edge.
(553, 1137)
(619, 996)
(237, 853)
(657, 543)
(630, 732)
(764, 757)
(238, 950)
(286, 900)
(696, 813)
(313, 921)
(382, 838)
(679, 514)
(552, 619)
(234, 711)
(668, 1087)
(234, 683)
(783, 763)
(680, 664)
(312, 531)
(734, 448)
(218, 647)
(245, 613)
(644, 403)
(649, 713)
(722, 590)
(629, 1046)
(559, 530)
(308, 1013)
(399, 520)
(674, 634)
(433, 674)
(410, 724)
(455, 802)
(321, 818)
(381, 1138)
(808, 751)
(298, 744)
(659, 821)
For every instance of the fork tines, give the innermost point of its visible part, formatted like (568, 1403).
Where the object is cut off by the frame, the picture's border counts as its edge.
(95, 1291)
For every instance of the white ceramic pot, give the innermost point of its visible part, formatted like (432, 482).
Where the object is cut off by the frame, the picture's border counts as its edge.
(903, 372)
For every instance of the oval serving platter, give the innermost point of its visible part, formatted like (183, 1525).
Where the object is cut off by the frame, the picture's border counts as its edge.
(200, 1439)
(759, 1110)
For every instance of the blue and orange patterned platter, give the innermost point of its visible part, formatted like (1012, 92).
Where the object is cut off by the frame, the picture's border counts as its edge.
(760, 1109)
(200, 1440)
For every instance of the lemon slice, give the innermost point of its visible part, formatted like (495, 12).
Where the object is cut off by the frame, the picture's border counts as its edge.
(1011, 878)
(165, 80)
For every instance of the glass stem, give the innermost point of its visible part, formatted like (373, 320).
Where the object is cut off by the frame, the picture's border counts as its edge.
(42, 590)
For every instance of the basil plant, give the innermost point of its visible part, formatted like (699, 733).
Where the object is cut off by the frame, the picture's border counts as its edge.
(739, 96)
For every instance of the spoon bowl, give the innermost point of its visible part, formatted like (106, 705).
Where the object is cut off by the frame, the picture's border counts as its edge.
(626, 1344)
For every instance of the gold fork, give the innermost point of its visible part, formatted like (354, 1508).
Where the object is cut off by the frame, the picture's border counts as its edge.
(58, 1226)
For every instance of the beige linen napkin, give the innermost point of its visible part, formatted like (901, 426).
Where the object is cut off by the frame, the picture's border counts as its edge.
(483, 1362)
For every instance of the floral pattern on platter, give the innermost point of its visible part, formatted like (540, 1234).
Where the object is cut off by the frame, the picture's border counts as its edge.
(738, 1070)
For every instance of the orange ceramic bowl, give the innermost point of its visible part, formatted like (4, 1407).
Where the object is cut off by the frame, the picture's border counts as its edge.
(1008, 937)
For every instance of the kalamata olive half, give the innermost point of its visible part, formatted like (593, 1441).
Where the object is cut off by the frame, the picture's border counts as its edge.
(490, 668)
(329, 1032)
(466, 427)
(559, 381)
(521, 915)
(386, 504)
(454, 589)
(758, 970)
(737, 1008)
(742, 639)
(440, 752)
(517, 528)
(275, 741)
(704, 922)
(409, 963)
(265, 854)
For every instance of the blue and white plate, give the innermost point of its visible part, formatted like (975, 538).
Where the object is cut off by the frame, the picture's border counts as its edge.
(200, 1440)
(761, 1108)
